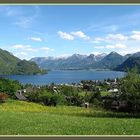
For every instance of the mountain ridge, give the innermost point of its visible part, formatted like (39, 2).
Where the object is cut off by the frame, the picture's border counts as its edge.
(130, 63)
(78, 61)
(10, 64)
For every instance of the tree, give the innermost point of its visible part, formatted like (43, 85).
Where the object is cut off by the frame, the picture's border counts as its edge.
(9, 86)
(95, 97)
(130, 90)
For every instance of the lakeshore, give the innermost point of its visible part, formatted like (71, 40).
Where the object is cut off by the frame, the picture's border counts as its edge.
(61, 77)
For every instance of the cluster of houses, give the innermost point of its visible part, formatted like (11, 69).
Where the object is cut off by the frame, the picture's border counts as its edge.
(113, 90)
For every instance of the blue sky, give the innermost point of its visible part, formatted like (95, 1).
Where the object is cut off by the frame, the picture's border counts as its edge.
(61, 30)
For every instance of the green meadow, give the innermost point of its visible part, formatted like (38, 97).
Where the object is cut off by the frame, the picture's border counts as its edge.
(25, 118)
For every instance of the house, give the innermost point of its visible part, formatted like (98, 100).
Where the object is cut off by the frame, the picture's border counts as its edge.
(118, 105)
(86, 104)
(115, 105)
(20, 94)
(55, 90)
(107, 83)
(113, 90)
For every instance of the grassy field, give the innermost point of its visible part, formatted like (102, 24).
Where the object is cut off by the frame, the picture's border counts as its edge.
(24, 118)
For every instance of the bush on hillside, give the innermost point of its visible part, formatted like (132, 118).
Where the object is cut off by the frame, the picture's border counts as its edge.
(9, 86)
(95, 98)
(45, 97)
(3, 97)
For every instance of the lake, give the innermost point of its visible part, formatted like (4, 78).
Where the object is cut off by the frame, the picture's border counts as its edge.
(69, 76)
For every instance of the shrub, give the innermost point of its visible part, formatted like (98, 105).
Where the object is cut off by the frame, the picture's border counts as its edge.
(69, 91)
(95, 98)
(56, 99)
(3, 97)
(9, 86)
(107, 103)
(45, 98)
(48, 98)
(33, 96)
(74, 100)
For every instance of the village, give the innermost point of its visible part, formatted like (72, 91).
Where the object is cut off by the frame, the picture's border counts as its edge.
(108, 90)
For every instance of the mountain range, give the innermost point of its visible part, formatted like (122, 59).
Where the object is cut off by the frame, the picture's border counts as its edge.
(78, 61)
(9, 64)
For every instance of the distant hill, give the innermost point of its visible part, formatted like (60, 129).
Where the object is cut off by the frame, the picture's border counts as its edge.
(9, 64)
(27, 68)
(77, 61)
(111, 61)
(130, 63)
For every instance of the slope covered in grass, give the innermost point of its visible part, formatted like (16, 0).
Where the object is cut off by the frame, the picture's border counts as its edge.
(24, 118)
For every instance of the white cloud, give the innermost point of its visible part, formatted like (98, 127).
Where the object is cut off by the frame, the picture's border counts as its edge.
(116, 37)
(65, 35)
(46, 49)
(24, 53)
(80, 34)
(28, 48)
(97, 40)
(21, 53)
(135, 35)
(96, 53)
(129, 51)
(99, 47)
(19, 46)
(72, 35)
(24, 47)
(64, 56)
(116, 46)
(110, 46)
(110, 38)
(37, 39)
(136, 32)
